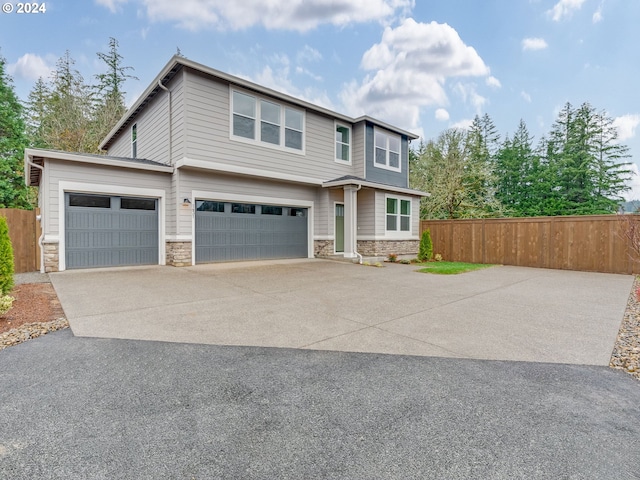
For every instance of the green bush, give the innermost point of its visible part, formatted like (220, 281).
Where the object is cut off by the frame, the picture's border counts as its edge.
(6, 258)
(5, 303)
(426, 247)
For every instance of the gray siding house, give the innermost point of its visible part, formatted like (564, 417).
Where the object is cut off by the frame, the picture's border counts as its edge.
(209, 167)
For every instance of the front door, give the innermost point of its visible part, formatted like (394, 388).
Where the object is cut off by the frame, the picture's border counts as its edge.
(339, 226)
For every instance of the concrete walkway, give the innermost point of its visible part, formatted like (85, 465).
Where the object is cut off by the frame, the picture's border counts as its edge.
(500, 313)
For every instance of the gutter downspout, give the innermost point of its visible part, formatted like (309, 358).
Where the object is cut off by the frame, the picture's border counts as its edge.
(39, 217)
(355, 250)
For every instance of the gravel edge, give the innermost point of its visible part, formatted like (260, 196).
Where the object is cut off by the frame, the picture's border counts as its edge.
(626, 351)
(28, 331)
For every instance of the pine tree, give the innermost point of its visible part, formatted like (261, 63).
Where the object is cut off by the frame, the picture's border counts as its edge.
(13, 191)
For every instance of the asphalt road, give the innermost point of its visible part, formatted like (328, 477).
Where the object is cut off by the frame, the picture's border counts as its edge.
(93, 408)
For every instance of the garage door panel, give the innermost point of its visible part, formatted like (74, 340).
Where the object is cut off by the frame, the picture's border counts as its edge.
(101, 237)
(225, 236)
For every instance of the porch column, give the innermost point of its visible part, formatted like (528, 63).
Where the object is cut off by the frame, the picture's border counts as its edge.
(350, 220)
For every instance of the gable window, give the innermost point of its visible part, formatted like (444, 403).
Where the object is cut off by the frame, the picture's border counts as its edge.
(266, 122)
(387, 151)
(134, 141)
(398, 215)
(343, 143)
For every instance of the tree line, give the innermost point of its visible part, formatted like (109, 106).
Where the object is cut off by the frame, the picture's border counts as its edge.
(578, 168)
(61, 113)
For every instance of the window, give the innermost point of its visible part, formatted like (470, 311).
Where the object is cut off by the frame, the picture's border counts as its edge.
(134, 141)
(209, 206)
(343, 143)
(297, 212)
(243, 208)
(271, 210)
(387, 151)
(269, 122)
(293, 129)
(398, 215)
(244, 115)
(250, 112)
(128, 203)
(91, 201)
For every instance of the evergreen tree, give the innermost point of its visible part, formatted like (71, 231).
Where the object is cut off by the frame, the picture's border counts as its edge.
(13, 140)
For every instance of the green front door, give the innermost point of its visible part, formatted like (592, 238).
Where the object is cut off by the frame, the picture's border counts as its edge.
(339, 236)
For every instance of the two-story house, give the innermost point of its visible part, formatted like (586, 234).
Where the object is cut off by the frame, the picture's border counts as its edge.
(209, 167)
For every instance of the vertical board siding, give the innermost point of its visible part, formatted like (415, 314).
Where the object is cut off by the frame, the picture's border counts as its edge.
(24, 232)
(586, 243)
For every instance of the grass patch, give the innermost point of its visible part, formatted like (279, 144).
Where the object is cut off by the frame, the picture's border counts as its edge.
(451, 268)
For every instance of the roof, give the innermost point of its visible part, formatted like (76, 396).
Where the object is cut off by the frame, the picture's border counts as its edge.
(353, 180)
(177, 63)
(37, 155)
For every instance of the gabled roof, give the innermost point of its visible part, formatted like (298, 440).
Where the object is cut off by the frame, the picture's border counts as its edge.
(36, 156)
(178, 62)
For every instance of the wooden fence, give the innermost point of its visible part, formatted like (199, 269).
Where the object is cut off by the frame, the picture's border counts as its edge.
(24, 231)
(586, 243)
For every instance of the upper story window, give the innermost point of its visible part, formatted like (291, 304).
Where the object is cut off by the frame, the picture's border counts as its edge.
(343, 143)
(266, 122)
(398, 215)
(134, 141)
(387, 151)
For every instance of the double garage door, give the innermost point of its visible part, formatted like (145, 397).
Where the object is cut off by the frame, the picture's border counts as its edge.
(106, 230)
(228, 231)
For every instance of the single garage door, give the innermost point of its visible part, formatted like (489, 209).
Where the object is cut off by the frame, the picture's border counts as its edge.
(228, 231)
(106, 230)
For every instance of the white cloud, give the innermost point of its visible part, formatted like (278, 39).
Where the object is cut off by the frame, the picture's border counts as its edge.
(626, 125)
(493, 82)
(30, 67)
(564, 8)
(308, 54)
(634, 184)
(408, 71)
(300, 15)
(112, 5)
(534, 44)
(442, 115)
(525, 96)
(597, 16)
(469, 95)
(464, 124)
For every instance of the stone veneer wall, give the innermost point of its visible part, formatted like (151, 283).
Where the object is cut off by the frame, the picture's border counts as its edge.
(51, 257)
(323, 248)
(178, 254)
(374, 248)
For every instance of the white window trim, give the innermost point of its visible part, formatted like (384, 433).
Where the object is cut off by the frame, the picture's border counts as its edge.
(258, 120)
(386, 166)
(65, 186)
(399, 233)
(255, 199)
(335, 142)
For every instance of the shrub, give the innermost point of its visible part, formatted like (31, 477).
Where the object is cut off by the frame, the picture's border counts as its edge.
(5, 303)
(393, 257)
(426, 247)
(6, 258)
(438, 257)
(405, 262)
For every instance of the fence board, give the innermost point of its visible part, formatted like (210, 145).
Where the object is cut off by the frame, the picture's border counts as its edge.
(24, 232)
(587, 243)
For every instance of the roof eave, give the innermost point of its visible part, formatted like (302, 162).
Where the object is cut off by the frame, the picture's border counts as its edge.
(379, 186)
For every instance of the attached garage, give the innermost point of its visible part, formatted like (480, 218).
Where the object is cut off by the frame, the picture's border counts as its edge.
(107, 230)
(227, 231)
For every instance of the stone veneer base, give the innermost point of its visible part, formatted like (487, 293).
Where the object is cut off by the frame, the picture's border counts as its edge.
(178, 254)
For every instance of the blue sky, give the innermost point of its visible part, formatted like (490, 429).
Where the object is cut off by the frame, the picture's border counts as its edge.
(422, 65)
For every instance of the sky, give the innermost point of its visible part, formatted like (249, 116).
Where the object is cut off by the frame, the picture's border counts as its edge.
(422, 65)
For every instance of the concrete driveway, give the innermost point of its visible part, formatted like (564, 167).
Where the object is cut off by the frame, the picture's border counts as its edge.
(500, 313)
